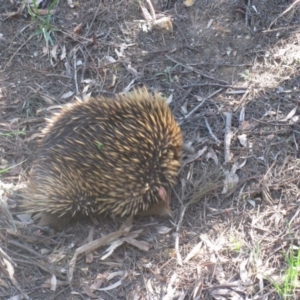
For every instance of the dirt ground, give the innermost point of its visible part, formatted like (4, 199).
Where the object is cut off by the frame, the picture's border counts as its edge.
(230, 71)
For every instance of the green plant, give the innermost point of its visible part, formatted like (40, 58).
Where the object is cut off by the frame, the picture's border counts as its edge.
(99, 145)
(236, 244)
(245, 74)
(12, 133)
(7, 169)
(43, 22)
(287, 287)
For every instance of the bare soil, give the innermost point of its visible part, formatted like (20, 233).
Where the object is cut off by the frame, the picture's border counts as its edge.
(233, 82)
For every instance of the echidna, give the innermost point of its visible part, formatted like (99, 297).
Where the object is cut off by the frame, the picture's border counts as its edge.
(117, 156)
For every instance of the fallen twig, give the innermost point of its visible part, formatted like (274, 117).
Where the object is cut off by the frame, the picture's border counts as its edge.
(189, 67)
(178, 255)
(92, 246)
(283, 13)
(199, 105)
(211, 133)
(227, 138)
(151, 9)
(7, 266)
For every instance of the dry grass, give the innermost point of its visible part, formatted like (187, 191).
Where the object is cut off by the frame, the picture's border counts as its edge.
(233, 84)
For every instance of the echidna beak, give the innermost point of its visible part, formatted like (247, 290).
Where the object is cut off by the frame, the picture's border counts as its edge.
(162, 194)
